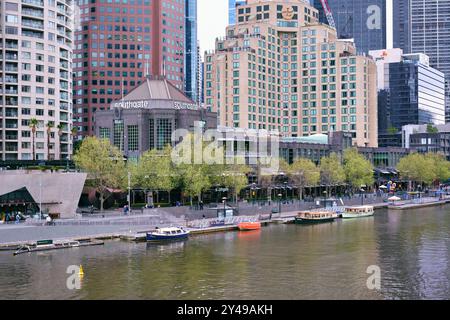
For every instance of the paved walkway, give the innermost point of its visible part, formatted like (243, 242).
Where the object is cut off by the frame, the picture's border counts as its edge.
(117, 225)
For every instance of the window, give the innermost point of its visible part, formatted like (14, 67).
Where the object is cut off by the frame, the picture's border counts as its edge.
(105, 133)
(118, 134)
(133, 138)
(163, 132)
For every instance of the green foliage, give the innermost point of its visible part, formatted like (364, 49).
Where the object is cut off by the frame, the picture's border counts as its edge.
(392, 130)
(154, 171)
(104, 164)
(358, 170)
(302, 173)
(198, 165)
(424, 168)
(331, 170)
(235, 178)
(432, 129)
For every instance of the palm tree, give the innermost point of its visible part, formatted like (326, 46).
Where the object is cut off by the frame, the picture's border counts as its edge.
(33, 125)
(50, 125)
(74, 132)
(60, 133)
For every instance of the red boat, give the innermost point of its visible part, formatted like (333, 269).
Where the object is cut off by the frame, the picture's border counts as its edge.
(249, 226)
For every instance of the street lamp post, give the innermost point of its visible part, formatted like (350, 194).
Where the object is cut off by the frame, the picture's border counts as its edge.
(362, 195)
(285, 188)
(279, 204)
(129, 191)
(224, 200)
(40, 196)
(325, 199)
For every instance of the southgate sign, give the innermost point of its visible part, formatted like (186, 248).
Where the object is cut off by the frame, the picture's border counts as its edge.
(145, 104)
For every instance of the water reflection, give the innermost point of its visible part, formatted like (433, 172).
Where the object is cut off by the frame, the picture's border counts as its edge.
(327, 261)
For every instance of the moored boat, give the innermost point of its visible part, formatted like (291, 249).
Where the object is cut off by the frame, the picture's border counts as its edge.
(47, 245)
(249, 226)
(358, 212)
(315, 217)
(168, 234)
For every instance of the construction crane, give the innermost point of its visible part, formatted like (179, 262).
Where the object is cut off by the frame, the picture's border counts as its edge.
(328, 13)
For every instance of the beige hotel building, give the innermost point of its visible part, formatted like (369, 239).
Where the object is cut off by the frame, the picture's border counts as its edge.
(280, 69)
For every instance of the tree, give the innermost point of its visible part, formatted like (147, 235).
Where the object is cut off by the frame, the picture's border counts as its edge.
(416, 168)
(392, 130)
(195, 180)
(199, 164)
(303, 172)
(424, 168)
(104, 164)
(440, 166)
(34, 123)
(154, 171)
(50, 125)
(60, 128)
(331, 170)
(358, 170)
(432, 129)
(235, 178)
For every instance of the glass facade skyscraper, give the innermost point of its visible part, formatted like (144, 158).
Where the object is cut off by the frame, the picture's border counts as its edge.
(424, 26)
(192, 57)
(414, 95)
(362, 20)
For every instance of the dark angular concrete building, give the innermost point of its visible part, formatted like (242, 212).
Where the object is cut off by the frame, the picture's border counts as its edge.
(146, 118)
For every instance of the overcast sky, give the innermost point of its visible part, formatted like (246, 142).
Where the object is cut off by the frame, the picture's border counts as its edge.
(212, 21)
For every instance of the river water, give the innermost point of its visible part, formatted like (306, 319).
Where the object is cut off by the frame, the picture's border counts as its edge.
(326, 261)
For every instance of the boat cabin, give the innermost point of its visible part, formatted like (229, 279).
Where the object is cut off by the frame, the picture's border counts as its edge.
(170, 231)
(317, 215)
(359, 210)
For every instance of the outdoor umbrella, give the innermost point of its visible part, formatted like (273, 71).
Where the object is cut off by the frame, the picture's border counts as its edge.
(394, 199)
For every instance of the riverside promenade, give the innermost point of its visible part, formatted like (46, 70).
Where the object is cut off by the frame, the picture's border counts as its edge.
(113, 225)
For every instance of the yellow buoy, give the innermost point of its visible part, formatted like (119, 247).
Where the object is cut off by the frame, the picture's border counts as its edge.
(81, 272)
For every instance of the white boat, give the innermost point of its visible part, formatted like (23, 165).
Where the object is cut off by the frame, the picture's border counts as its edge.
(358, 212)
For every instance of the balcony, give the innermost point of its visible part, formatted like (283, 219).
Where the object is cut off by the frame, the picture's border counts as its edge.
(11, 45)
(11, 115)
(11, 148)
(11, 137)
(32, 24)
(11, 125)
(33, 13)
(11, 56)
(9, 91)
(9, 68)
(33, 34)
(36, 3)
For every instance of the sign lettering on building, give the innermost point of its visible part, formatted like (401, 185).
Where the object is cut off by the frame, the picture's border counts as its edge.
(145, 104)
(185, 106)
(132, 104)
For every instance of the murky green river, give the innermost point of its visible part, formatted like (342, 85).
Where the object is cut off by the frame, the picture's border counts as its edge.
(327, 261)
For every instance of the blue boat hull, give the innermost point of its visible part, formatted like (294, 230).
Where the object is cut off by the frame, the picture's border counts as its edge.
(176, 237)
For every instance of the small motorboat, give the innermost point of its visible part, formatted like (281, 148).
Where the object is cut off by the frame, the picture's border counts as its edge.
(315, 217)
(249, 226)
(168, 234)
(358, 212)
